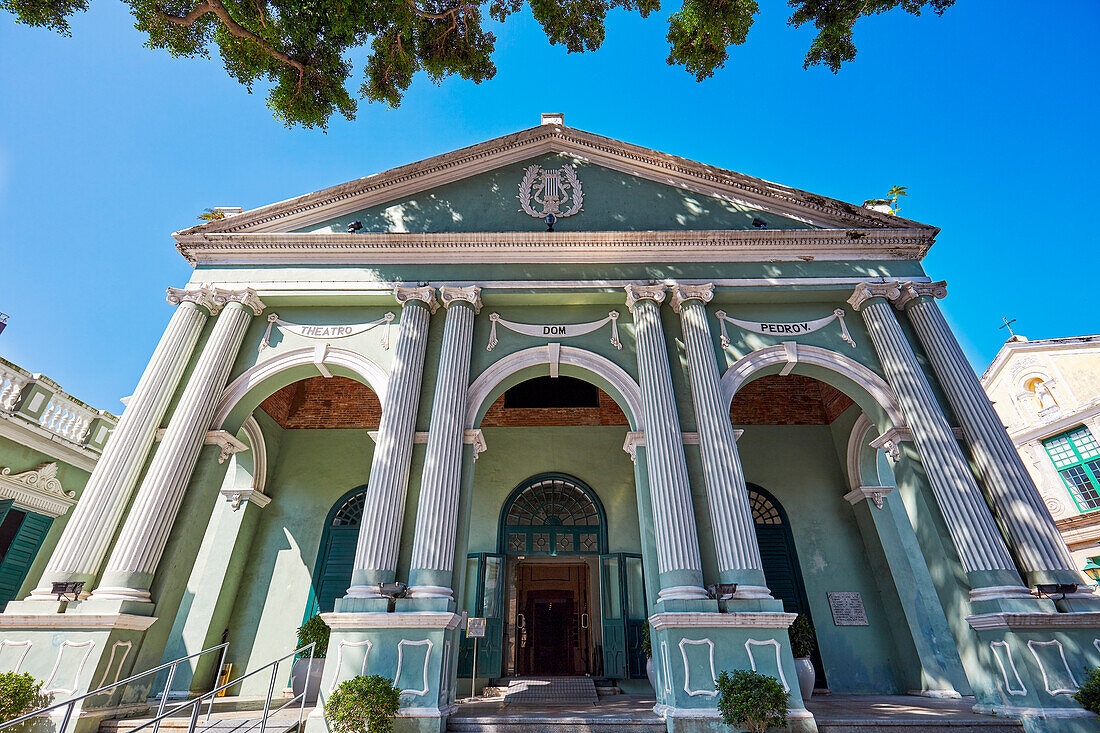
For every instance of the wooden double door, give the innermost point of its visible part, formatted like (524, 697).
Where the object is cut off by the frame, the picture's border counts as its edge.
(553, 620)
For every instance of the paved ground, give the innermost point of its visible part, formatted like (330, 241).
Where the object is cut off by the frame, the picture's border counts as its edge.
(859, 708)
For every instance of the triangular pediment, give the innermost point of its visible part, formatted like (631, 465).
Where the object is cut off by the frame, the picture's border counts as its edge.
(625, 188)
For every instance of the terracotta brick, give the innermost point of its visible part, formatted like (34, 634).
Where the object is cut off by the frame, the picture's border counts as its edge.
(320, 402)
(790, 400)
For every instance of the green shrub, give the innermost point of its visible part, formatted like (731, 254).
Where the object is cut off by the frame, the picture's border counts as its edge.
(647, 648)
(752, 701)
(363, 705)
(1089, 693)
(19, 695)
(314, 630)
(803, 639)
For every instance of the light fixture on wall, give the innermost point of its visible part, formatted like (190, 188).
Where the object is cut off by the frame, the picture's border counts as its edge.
(1048, 590)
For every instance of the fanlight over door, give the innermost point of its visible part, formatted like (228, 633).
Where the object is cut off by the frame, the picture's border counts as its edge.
(552, 514)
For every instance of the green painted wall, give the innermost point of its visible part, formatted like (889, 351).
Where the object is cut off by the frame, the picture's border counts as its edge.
(613, 201)
(20, 458)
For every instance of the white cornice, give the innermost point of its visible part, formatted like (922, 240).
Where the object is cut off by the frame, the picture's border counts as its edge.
(514, 247)
(375, 620)
(740, 620)
(75, 620)
(986, 621)
(614, 154)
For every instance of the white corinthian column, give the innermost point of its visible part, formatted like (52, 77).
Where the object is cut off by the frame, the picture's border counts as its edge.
(387, 485)
(680, 570)
(432, 569)
(727, 496)
(87, 536)
(1031, 531)
(137, 552)
(981, 548)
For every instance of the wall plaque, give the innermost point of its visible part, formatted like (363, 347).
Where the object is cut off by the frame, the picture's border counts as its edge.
(847, 609)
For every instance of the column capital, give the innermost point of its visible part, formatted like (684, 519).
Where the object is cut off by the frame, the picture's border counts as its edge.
(634, 293)
(911, 291)
(683, 293)
(875, 493)
(199, 296)
(865, 291)
(246, 297)
(450, 294)
(425, 295)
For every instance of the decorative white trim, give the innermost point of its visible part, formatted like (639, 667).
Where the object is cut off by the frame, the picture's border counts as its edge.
(681, 293)
(376, 620)
(750, 643)
(737, 620)
(636, 439)
(993, 645)
(500, 370)
(872, 383)
(426, 711)
(476, 438)
(73, 621)
(25, 643)
(1096, 643)
(228, 442)
(256, 440)
(375, 377)
(1031, 644)
(857, 440)
(875, 493)
(236, 497)
(987, 621)
(427, 660)
(426, 295)
(48, 690)
(340, 659)
(1021, 713)
(667, 666)
(451, 294)
(37, 490)
(118, 672)
(687, 668)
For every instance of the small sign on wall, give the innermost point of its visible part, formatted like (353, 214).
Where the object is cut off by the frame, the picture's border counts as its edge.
(475, 628)
(847, 608)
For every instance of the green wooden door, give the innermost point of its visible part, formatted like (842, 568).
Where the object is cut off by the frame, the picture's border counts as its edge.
(614, 618)
(336, 557)
(484, 599)
(21, 534)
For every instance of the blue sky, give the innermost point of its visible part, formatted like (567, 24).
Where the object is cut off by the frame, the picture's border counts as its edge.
(987, 114)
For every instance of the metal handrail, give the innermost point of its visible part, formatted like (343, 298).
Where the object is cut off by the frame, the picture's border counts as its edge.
(196, 703)
(164, 695)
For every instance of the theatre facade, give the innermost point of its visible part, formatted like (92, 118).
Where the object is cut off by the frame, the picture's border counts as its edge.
(574, 387)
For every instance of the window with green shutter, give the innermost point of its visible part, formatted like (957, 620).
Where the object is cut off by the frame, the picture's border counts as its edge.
(1076, 455)
(21, 534)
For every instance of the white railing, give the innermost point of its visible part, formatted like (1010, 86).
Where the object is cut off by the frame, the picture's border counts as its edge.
(66, 418)
(12, 382)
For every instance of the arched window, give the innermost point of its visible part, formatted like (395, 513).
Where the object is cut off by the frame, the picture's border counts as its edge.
(349, 514)
(552, 514)
(336, 555)
(763, 510)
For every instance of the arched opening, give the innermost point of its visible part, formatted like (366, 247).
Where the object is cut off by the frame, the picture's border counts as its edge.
(552, 514)
(336, 555)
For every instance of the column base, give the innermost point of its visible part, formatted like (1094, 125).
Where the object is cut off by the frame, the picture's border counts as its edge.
(680, 720)
(1033, 663)
(691, 649)
(414, 648)
(74, 653)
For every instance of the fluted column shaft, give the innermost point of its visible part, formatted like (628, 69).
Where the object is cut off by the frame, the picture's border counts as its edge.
(377, 547)
(83, 545)
(981, 548)
(432, 568)
(1031, 531)
(140, 545)
(727, 496)
(678, 563)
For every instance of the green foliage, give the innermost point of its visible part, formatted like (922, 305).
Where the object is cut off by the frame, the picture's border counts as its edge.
(647, 647)
(803, 639)
(893, 194)
(19, 695)
(1088, 694)
(211, 215)
(301, 48)
(363, 705)
(314, 630)
(751, 701)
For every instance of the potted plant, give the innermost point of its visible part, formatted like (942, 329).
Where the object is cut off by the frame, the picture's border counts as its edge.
(305, 673)
(803, 643)
(751, 701)
(647, 649)
(363, 705)
(1088, 694)
(20, 694)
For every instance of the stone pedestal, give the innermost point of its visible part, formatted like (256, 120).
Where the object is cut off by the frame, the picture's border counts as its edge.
(415, 649)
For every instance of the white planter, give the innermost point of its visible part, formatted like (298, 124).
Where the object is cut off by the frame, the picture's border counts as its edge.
(804, 668)
(298, 677)
(651, 674)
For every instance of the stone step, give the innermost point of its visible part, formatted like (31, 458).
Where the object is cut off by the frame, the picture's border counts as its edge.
(556, 724)
(911, 726)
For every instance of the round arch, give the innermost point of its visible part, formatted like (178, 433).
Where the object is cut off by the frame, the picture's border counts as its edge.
(336, 553)
(559, 505)
(267, 377)
(867, 389)
(573, 362)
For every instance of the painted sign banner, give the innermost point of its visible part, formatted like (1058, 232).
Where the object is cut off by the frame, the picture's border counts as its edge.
(775, 328)
(326, 332)
(847, 608)
(555, 330)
